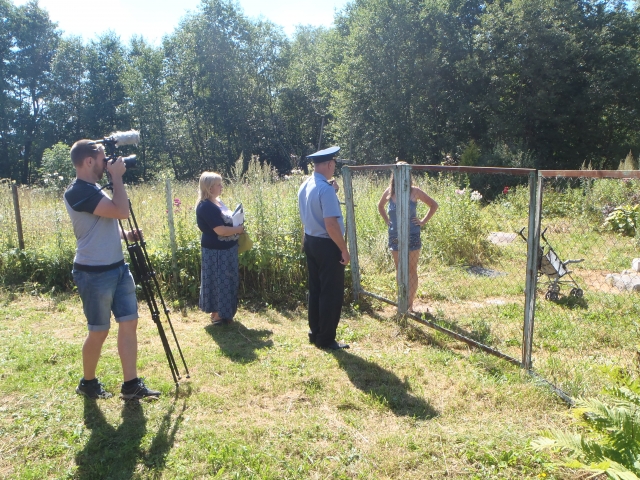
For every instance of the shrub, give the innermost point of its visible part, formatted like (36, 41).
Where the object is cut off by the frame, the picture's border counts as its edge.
(471, 155)
(606, 191)
(457, 233)
(57, 171)
(45, 270)
(611, 442)
(623, 220)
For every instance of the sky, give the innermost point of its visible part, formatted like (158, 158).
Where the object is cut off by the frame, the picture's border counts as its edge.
(155, 18)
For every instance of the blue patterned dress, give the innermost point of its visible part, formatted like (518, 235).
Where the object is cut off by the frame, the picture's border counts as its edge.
(219, 277)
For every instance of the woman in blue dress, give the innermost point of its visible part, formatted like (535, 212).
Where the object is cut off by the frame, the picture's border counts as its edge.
(389, 217)
(219, 277)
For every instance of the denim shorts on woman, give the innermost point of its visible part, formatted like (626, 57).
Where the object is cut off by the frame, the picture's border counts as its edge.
(106, 292)
(415, 243)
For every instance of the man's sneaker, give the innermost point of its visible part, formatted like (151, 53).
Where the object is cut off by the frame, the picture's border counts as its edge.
(137, 391)
(92, 389)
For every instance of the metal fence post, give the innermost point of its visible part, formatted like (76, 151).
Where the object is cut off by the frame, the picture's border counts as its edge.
(347, 184)
(402, 180)
(533, 245)
(16, 208)
(172, 230)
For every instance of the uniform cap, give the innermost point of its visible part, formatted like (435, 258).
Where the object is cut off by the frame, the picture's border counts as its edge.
(324, 155)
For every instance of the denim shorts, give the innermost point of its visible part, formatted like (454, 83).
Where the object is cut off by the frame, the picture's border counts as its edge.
(106, 292)
(415, 243)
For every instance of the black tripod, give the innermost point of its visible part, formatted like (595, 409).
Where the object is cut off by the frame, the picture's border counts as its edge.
(145, 278)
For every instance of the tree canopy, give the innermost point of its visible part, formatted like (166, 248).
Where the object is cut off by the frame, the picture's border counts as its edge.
(555, 82)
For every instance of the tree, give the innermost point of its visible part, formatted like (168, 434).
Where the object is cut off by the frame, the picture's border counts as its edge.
(68, 95)
(301, 101)
(555, 86)
(35, 39)
(145, 85)
(106, 108)
(406, 79)
(8, 103)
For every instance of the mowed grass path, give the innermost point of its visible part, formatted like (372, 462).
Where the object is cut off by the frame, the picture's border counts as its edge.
(403, 402)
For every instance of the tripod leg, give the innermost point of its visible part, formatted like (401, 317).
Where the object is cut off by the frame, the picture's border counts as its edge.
(146, 278)
(155, 316)
(175, 338)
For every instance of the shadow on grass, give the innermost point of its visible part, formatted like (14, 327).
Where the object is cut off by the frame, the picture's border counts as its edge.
(111, 452)
(422, 333)
(480, 330)
(571, 302)
(238, 342)
(384, 386)
(156, 457)
(114, 453)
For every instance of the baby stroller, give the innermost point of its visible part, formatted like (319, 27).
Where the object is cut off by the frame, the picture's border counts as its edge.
(556, 271)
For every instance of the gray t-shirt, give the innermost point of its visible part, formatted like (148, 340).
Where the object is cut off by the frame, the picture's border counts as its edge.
(98, 238)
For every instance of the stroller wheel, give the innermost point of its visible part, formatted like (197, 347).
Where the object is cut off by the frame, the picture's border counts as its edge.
(553, 296)
(576, 292)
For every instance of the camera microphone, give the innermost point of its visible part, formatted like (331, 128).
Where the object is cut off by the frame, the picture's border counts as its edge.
(132, 137)
(118, 139)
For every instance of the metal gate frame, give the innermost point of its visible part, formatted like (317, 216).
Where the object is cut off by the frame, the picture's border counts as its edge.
(402, 175)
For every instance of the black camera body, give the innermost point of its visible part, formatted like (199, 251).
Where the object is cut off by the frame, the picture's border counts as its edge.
(119, 139)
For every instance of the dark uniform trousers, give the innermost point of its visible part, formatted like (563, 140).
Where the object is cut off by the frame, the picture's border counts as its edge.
(326, 288)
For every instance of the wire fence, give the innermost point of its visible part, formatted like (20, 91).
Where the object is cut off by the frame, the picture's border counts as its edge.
(477, 279)
(586, 311)
(469, 275)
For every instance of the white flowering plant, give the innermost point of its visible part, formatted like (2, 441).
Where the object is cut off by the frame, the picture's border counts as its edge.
(56, 171)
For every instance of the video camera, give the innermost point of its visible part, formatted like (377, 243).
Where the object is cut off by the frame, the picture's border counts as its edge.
(119, 139)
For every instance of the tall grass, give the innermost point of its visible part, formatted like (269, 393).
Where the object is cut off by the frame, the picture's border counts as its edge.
(274, 270)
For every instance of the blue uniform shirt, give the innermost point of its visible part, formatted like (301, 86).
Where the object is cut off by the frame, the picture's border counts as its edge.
(317, 200)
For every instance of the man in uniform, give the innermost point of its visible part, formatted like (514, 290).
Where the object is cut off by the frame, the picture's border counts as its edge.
(325, 248)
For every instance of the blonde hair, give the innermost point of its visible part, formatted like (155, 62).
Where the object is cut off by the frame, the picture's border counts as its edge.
(392, 188)
(207, 180)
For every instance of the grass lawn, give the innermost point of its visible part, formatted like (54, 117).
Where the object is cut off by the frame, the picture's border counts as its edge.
(403, 402)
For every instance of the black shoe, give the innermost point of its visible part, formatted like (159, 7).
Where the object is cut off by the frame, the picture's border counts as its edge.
(92, 389)
(222, 321)
(336, 346)
(312, 337)
(137, 391)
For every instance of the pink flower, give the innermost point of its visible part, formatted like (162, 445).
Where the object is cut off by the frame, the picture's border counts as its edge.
(177, 202)
(461, 192)
(505, 190)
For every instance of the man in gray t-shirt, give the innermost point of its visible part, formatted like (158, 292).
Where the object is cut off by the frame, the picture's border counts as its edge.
(103, 279)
